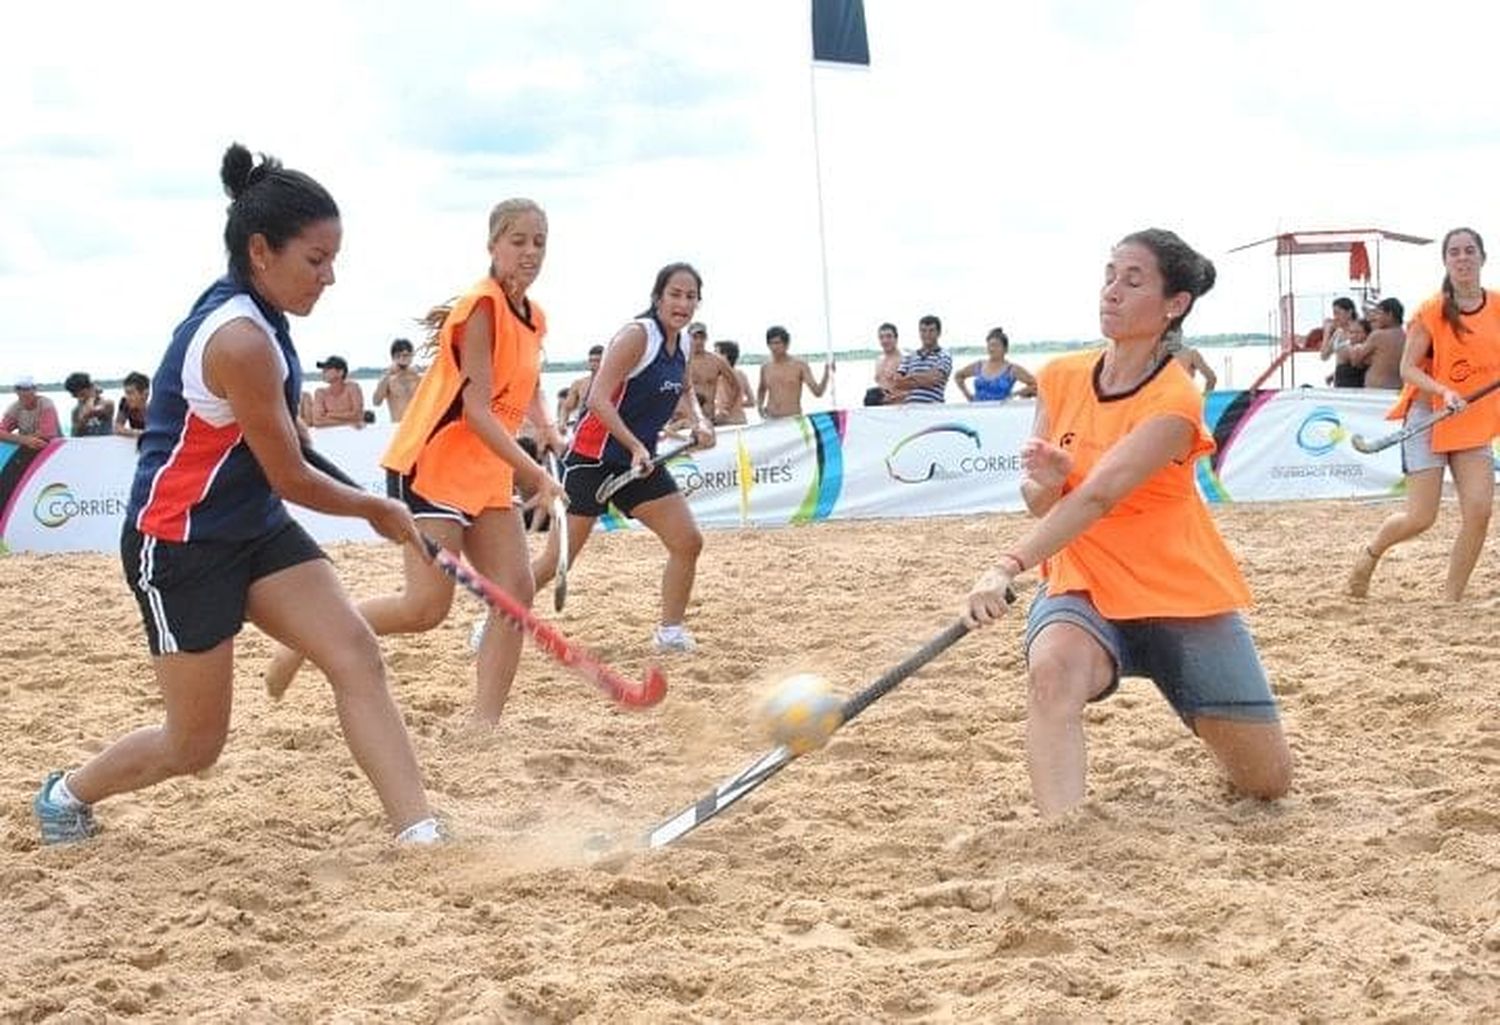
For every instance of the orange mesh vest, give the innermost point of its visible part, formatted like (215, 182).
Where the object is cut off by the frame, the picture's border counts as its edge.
(1464, 362)
(448, 462)
(1157, 552)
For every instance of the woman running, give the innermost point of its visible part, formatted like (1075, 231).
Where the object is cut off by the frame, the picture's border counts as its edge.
(629, 402)
(455, 461)
(208, 542)
(1452, 347)
(1138, 581)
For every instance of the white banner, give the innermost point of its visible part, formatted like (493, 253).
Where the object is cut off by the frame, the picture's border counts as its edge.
(907, 461)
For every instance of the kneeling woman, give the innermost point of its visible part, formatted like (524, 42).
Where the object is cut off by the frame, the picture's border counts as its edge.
(630, 400)
(1138, 581)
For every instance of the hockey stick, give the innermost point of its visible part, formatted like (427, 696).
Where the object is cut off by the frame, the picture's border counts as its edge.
(548, 638)
(1367, 446)
(560, 528)
(612, 485)
(773, 761)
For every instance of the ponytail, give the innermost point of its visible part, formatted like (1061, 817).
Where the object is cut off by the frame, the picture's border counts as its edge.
(1451, 313)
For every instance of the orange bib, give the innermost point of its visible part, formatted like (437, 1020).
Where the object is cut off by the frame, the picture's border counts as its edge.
(1465, 362)
(1157, 552)
(449, 463)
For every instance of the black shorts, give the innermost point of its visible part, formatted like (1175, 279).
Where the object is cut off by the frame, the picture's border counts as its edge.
(399, 488)
(192, 594)
(582, 477)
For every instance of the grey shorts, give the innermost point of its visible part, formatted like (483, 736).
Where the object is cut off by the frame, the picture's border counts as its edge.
(1416, 452)
(1204, 666)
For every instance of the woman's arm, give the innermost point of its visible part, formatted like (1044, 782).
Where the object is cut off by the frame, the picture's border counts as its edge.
(240, 366)
(542, 417)
(1418, 347)
(962, 379)
(1047, 467)
(1128, 464)
(479, 376)
(1027, 381)
(624, 351)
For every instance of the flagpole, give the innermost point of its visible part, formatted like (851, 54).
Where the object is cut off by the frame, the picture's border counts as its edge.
(812, 82)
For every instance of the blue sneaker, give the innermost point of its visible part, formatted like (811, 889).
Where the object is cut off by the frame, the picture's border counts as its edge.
(59, 824)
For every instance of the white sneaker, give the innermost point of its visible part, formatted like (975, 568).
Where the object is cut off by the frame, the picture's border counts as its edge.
(675, 638)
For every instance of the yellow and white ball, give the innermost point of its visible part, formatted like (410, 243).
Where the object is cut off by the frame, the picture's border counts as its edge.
(800, 712)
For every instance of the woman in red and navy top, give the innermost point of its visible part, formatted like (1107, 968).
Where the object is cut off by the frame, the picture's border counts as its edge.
(629, 401)
(208, 542)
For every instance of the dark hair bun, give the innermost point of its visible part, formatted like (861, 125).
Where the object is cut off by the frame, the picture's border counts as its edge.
(1205, 277)
(239, 171)
(234, 172)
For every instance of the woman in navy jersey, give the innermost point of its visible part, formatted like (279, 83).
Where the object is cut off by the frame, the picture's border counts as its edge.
(208, 542)
(630, 400)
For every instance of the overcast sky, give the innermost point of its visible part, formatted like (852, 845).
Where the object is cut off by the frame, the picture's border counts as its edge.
(980, 169)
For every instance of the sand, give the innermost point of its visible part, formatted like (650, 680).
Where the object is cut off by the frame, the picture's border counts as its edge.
(901, 874)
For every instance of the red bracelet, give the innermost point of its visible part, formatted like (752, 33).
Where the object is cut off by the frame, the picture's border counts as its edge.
(1013, 557)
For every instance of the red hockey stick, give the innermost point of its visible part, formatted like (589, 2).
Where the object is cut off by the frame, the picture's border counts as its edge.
(548, 638)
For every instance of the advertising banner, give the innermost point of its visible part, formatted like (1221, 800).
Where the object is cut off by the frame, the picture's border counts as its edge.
(906, 461)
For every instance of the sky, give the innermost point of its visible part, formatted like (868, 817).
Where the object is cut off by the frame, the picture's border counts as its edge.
(979, 169)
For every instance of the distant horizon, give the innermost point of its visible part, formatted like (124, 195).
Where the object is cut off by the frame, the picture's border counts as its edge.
(369, 373)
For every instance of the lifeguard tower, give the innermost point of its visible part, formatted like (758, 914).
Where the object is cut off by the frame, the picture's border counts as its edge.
(1361, 246)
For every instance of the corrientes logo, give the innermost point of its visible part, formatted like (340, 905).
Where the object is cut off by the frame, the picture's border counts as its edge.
(56, 505)
(945, 451)
(1320, 432)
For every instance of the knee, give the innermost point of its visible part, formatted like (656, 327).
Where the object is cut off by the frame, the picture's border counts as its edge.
(687, 545)
(1058, 687)
(521, 586)
(194, 752)
(423, 614)
(1476, 515)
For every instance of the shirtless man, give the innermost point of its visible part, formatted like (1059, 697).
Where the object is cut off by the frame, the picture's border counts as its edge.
(708, 371)
(399, 382)
(341, 403)
(887, 367)
(1191, 360)
(572, 403)
(1381, 352)
(781, 380)
(729, 408)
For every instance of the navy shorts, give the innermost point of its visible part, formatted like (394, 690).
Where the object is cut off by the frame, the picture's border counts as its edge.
(192, 594)
(399, 488)
(1203, 666)
(582, 477)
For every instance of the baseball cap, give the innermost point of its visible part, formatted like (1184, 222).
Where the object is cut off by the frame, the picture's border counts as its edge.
(336, 362)
(696, 328)
(25, 383)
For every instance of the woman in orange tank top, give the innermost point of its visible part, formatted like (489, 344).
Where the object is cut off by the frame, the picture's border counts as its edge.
(1452, 347)
(1138, 581)
(454, 459)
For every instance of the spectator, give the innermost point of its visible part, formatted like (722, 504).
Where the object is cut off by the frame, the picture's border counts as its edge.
(995, 377)
(887, 366)
(1190, 359)
(31, 420)
(729, 408)
(923, 375)
(93, 414)
(130, 415)
(1336, 344)
(781, 380)
(399, 382)
(708, 372)
(341, 403)
(1380, 354)
(577, 392)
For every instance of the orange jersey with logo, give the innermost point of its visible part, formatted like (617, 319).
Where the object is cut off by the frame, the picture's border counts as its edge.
(1464, 362)
(450, 464)
(1157, 552)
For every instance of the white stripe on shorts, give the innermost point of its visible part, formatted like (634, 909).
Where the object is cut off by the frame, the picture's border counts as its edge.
(165, 640)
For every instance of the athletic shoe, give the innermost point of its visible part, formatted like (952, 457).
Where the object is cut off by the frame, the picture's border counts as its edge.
(674, 638)
(59, 824)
